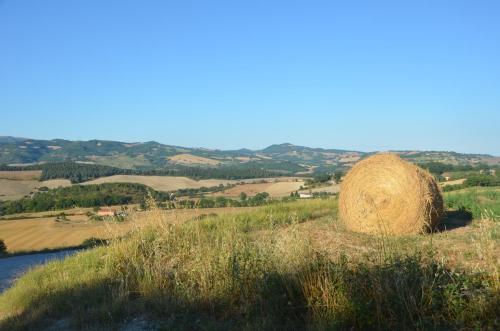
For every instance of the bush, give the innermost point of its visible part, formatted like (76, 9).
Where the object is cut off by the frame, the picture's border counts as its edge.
(94, 242)
(3, 247)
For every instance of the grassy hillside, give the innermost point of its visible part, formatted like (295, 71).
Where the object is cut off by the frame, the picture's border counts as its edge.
(284, 266)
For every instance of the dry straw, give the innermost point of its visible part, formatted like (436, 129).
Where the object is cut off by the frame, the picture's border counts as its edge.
(386, 195)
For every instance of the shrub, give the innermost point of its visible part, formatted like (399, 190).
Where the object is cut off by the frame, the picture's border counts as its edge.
(94, 242)
(3, 247)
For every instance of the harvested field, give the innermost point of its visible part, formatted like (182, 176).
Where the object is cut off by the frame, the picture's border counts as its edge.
(275, 189)
(172, 183)
(121, 161)
(21, 175)
(17, 189)
(192, 159)
(55, 183)
(161, 183)
(334, 188)
(40, 233)
(350, 159)
(453, 182)
(54, 213)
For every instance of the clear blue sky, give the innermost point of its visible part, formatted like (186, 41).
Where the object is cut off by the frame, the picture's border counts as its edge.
(364, 75)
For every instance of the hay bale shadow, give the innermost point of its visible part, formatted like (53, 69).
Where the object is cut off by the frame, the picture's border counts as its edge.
(454, 219)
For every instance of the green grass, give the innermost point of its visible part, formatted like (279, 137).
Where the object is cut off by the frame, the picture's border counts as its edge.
(476, 200)
(256, 270)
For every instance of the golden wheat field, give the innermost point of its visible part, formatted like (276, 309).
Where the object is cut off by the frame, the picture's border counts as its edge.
(192, 159)
(42, 231)
(278, 186)
(333, 188)
(11, 189)
(21, 175)
(275, 189)
(161, 183)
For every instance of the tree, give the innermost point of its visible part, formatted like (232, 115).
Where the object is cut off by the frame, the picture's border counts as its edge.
(221, 202)
(259, 198)
(321, 178)
(243, 196)
(338, 176)
(3, 247)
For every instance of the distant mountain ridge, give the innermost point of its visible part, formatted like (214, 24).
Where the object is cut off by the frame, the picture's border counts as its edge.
(154, 155)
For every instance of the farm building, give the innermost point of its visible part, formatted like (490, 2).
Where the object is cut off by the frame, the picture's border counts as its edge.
(106, 212)
(446, 176)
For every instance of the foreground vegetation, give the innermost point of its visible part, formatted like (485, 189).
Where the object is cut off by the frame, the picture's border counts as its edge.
(281, 266)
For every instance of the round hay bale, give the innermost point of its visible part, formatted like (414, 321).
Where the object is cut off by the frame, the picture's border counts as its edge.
(384, 194)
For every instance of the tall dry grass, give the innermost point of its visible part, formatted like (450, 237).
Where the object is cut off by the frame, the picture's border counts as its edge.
(243, 272)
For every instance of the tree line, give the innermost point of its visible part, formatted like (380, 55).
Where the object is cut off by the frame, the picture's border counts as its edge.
(437, 168)
(474, 180)
(81, 172)
(109, 194)
(83, 196)
(221, 202)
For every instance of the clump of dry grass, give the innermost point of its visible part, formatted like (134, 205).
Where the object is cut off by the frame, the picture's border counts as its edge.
(384, 194)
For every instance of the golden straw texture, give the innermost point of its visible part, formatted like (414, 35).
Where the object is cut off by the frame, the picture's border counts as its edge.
(386, 195)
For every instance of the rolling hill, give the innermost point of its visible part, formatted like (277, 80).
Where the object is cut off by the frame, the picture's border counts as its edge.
(286, 158)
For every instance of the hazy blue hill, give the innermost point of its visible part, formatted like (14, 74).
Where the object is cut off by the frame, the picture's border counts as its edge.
(8, 139)
(154, 155)
(290, 148)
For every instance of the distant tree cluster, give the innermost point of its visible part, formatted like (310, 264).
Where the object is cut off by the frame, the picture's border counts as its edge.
(321, 178)
(220, 202)
(192, 192)
(482, 180)
(225, 172)
(475, 180)
(83, 196)
(77, 172)
(272, 165)
(437, 168)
